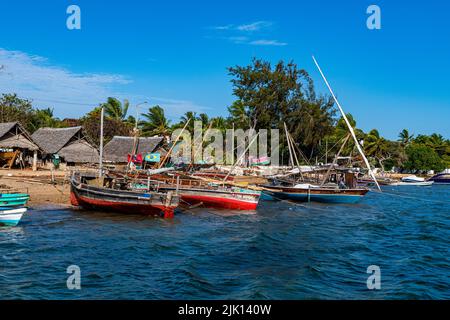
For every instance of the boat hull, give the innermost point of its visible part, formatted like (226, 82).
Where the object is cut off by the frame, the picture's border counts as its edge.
(219, 199)
(441, 178)
(13, 199)
(12, 217)
(417, 184)
(316, 194)
(102, 199)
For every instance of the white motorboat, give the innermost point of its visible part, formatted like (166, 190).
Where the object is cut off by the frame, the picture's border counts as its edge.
(412, 181)
(11, 217)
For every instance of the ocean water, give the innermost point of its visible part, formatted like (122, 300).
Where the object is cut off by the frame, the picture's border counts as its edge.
(280, 251)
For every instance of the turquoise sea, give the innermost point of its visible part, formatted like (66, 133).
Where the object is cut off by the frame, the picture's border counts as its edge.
(280, 251)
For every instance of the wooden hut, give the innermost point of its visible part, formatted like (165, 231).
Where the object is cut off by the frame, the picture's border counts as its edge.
(17, 148)
(69, 144)
(118, 149)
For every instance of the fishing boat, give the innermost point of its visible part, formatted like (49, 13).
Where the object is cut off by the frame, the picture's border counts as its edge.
(13, 199)
(441, 178)
(107, 194)
(11, 216)
(196, 191)
(413, 181)
(311, 193)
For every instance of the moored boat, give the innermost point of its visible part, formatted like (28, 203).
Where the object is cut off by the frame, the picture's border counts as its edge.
(413, 181)
(315, 194)
(11, 217)
(210, 194)
(441, 178)
(105, 194)
(13, 199)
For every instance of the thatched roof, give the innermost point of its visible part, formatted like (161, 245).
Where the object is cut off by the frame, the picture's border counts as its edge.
(79, 151)
(119, 147)
(51, 140)
(69, 143)
(13, 135)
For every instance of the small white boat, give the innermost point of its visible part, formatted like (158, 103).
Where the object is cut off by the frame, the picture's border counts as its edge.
(11, 217)
(412, 181)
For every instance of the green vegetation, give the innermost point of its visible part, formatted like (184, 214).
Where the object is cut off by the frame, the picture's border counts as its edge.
(266, 97)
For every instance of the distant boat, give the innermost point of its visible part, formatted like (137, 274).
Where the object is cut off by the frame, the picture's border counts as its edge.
(441, 178)
(13, 199)
(412, 181)
(11, 217)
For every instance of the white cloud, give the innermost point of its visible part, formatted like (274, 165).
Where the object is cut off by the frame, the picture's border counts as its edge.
(246, 33)
(71, 94)
(255, 26)
(267, 43)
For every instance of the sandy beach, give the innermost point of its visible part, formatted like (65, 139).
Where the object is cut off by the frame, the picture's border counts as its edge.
(39, 185)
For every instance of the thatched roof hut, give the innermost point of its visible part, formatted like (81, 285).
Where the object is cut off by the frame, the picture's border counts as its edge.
(117, 150)
(68, 143)
(14, 136)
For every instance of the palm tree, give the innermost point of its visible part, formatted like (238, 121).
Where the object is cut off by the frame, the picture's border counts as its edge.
(404, 137)
(156, 122)
(437, 143)
(376, 146)
(45, 118)
(239, 115)
(116, 110)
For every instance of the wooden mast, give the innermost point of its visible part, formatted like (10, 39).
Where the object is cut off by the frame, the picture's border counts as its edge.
(173, 145)
(358, 146)
(100, 161)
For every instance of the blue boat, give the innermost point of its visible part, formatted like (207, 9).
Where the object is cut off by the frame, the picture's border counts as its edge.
(315, 194)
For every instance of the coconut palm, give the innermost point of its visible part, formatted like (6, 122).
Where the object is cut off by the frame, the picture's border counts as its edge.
(115, 109)
(239, 115)
(155, 122)
(376, 146)
(437, 143)
(404, 137)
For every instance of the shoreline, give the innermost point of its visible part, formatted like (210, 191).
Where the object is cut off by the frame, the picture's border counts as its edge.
(39, 185)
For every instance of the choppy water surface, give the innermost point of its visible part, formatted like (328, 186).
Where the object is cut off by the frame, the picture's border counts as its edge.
(281, 251)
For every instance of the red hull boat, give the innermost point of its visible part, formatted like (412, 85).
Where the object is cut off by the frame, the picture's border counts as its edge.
(108, 199)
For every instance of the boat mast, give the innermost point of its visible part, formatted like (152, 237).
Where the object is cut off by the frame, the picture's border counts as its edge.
(173, 145)
(358, 146)
(100, 160)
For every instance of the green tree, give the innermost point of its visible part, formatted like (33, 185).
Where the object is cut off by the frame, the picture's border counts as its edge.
(405, 138)
(155, 122)
(423, 158)
(116, 110)
(111, 127)
(45, 118)
(377, 147)
(270, 96)
(239, 115)
(13, 108)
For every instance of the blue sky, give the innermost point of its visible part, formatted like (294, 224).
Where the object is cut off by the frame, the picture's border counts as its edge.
(176, 53)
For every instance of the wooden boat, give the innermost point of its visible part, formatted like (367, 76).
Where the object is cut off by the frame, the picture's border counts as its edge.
(11, 217)
(13, 199)
(195, 192)
(105, 194)
(441, 178)
(315, 194)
